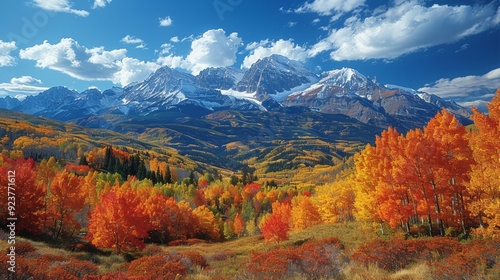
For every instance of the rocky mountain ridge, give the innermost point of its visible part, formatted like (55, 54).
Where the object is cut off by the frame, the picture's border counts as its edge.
(271, 84)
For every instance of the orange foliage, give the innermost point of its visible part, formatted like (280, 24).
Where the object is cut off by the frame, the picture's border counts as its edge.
(66, 198)
(164, 266)
(274, 228)
(119, 221)
(26, 196)
(238, 225)
(207, 226)
(485, 181)
(471, 261)
(81, 170)
(398, 254)
(304, 213)
(312, 260)
(404, 179)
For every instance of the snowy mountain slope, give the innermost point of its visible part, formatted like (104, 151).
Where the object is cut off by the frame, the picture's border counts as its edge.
(271, 84)
(272, 76)
(346, 91)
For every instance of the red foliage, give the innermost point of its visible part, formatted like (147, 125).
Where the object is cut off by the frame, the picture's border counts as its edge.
(122, 155)
(398, 254)
(252, 189)
(471, 261)
(314, 260)
(23, 248)
(190, 241)
(163, 266)
(29, 196)
(275, 228)
(119, 221)
(81, 170)
(72, 269)
(49, 267)
(196, 259)
(203, 183)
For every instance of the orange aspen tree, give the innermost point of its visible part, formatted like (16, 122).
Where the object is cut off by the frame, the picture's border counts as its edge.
(484, 185)
(275, 226)
(67, 198)
(238, 225)
(119, 221)
(450, 165)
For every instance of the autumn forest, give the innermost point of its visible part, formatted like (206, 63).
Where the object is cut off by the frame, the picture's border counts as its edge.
(427, 200)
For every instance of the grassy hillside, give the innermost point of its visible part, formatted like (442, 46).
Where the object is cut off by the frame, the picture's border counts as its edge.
(42, 138)
(281, 146)
(231, 259)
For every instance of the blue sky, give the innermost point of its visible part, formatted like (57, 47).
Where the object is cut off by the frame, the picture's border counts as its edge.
(450, 48)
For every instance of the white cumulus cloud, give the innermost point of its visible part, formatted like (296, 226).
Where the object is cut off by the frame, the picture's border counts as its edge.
(213, 49)
(6, 59)
(267, 48)
(101, 3)
(134, 41)
(405, 28)
(166, 21)
(96, 64)
(469, 89)
(131, 40)
(59, 6)
(330, 7)
(166, 48)
(23, 86)
(173, 61)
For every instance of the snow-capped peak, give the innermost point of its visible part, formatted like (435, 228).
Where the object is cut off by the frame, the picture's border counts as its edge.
(346, 77)
(389, 86)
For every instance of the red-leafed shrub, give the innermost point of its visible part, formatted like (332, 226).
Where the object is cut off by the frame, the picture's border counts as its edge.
(60, 273)
(196, 259)
(77, 268)
(190, 241)
(23, 248)
(165, 266)
(398, 253)
(269, 265)
(50, 267)
(27, 268)
(314, 260)
(470, 261)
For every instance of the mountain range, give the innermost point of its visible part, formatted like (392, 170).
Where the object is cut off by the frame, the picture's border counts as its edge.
(226, 116)
(270, 84)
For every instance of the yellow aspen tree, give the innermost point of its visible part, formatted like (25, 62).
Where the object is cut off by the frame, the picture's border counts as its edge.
(304, 213)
